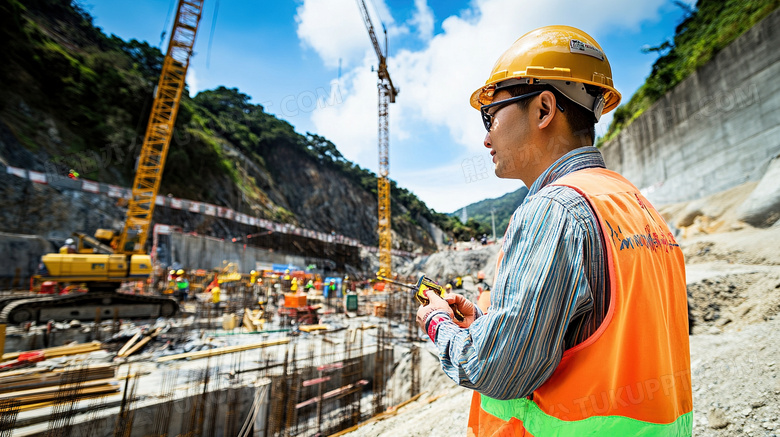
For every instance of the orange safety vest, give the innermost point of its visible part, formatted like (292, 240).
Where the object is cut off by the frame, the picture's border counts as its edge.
(632, 376)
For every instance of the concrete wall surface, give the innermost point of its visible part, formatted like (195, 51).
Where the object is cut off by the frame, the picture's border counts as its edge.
(184, 414)
(194, 251)
(718, 128)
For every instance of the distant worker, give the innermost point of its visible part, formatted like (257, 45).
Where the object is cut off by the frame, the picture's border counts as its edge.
(286, 281)
(294, 285)
(482, 289)
(216, 296)
(252, 277)
(345, 285)
(588, 267)
(309, 287)
(182, 285)
(331, 291)
(69, 246)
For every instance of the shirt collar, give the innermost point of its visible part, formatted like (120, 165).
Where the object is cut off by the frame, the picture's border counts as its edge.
(577, 159)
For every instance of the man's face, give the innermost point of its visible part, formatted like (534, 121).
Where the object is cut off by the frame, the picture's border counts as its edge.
(505, 138)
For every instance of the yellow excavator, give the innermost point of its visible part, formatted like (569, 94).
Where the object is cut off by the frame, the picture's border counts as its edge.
(107, 260)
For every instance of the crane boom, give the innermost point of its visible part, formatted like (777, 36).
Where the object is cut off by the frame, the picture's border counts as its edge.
(370, 29)
(159, 130)
(387, 93)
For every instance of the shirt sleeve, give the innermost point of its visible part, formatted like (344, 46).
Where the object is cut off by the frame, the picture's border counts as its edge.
(540, 286)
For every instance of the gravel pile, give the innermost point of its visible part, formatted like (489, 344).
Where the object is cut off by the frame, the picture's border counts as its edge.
(736, 388)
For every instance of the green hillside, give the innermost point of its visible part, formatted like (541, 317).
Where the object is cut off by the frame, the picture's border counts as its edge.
(706, 29)
(503, 207)
(75, 97)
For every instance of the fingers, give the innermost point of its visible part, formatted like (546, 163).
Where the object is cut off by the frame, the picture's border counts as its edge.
(432, 295)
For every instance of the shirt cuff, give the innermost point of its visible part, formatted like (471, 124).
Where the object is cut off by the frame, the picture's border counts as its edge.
(433, 321)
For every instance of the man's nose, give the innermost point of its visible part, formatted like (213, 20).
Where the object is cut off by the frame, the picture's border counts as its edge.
(486, 142)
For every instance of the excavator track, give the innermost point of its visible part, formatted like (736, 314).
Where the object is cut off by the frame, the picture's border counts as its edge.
(87, 306)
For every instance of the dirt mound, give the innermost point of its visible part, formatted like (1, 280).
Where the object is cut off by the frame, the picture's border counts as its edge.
(734, 300)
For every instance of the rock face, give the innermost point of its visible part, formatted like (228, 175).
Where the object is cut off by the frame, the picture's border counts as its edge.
(21, 254)
(762, 207)
(323, 199)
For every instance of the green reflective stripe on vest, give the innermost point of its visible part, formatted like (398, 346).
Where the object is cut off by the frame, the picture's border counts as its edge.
(543, 425)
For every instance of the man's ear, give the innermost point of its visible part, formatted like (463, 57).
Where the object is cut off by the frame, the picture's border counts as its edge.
(546, 109)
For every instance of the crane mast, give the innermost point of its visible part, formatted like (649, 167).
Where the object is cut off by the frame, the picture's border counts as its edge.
(387, 93)
(159, 130)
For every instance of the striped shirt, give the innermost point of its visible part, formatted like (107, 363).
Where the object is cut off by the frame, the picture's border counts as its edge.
(550, 291)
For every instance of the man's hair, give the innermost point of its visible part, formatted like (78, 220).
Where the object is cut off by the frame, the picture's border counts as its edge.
(581, 120)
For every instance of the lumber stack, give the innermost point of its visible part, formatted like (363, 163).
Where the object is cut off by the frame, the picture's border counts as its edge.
(60, 351)
(35, 388)
(222, 350)
(133, 345)
(311, 328)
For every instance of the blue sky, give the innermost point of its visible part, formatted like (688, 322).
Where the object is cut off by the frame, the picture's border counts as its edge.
(286, 56)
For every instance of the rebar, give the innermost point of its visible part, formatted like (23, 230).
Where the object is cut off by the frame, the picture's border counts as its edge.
(9, 409)
(65, 403)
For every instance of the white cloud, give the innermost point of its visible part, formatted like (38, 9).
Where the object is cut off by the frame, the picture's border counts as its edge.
(334, 29)
(437, 80)
(422, 20)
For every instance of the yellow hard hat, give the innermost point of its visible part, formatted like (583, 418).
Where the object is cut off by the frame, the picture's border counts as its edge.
(561, 56)
(287, 270)
(180, 272)
(252, 272)
(172, 272)
(448, 287)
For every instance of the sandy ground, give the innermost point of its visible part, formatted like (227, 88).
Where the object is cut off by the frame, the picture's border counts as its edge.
(733, 276)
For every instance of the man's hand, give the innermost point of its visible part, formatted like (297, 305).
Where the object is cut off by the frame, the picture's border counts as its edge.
(435, 303)
(465, 306)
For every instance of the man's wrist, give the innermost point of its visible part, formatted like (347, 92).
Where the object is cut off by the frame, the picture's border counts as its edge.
(432, 322)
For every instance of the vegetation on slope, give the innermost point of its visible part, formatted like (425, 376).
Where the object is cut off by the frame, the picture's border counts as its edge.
(503, 207)
(706, 29)
(95, 90)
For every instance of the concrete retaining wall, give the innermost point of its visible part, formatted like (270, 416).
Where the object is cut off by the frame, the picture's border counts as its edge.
(192, 251)
(145, 416)
(718, 128)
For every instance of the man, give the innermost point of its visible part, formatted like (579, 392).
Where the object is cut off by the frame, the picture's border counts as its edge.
(286, 281)
(69, 246)
(183, 285)
(586, 330)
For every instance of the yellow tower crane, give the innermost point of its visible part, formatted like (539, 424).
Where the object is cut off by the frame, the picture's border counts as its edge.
(387, 93)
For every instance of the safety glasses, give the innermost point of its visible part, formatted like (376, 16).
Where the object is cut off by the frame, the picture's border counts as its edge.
(487, 117)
